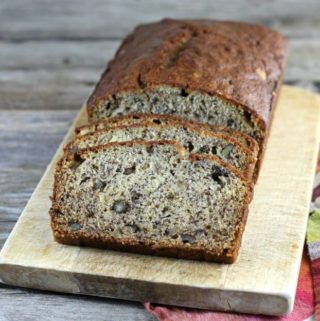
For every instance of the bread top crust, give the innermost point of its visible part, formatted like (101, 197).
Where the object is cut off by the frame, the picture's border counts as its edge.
(240, 62)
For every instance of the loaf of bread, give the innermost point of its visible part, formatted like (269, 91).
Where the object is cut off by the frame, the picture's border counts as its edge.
(163, 119)
(178, 124)
(222, 73)
(152, 198)
(196, 139)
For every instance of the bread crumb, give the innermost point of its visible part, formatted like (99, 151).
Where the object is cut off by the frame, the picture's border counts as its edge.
(261, 73)
(196, 75)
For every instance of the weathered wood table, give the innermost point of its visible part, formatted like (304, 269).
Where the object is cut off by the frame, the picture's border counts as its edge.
(51, 54)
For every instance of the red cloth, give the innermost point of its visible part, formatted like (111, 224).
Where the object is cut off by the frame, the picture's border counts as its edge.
(315, 268)
(303, 307)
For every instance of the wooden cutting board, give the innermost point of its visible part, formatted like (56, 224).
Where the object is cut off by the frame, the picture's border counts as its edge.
(264, 278)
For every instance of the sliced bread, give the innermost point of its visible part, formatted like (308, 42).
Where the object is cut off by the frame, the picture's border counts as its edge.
(150, 198)
(196, 139)
(163, 119)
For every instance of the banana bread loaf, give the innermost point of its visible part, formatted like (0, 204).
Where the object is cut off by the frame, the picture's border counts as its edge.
(217, 72)
(152, 198)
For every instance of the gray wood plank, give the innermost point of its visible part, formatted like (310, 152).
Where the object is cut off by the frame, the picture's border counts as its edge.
(30, 55)
(46, 89)
(5, 229)
(29, 139)
(303, 64)
(16, 187)
(99, 19)
(30, 305)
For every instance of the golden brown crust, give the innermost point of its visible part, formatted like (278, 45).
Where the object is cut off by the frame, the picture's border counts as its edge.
(193, 127)
(62, 234)
(246, 63)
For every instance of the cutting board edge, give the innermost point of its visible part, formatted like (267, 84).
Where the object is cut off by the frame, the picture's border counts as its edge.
(212, 298)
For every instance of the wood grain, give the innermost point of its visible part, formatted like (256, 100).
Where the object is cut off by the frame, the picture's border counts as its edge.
(29, 305)
(99, 19)
(53, 54)
(46, 89)
(27, 134)
(269, 252)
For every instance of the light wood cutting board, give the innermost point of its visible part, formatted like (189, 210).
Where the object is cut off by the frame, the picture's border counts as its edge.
(264, 278)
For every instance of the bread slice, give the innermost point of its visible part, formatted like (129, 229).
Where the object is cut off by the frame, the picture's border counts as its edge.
(150, 198)
(196, 139)
(163, 119)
